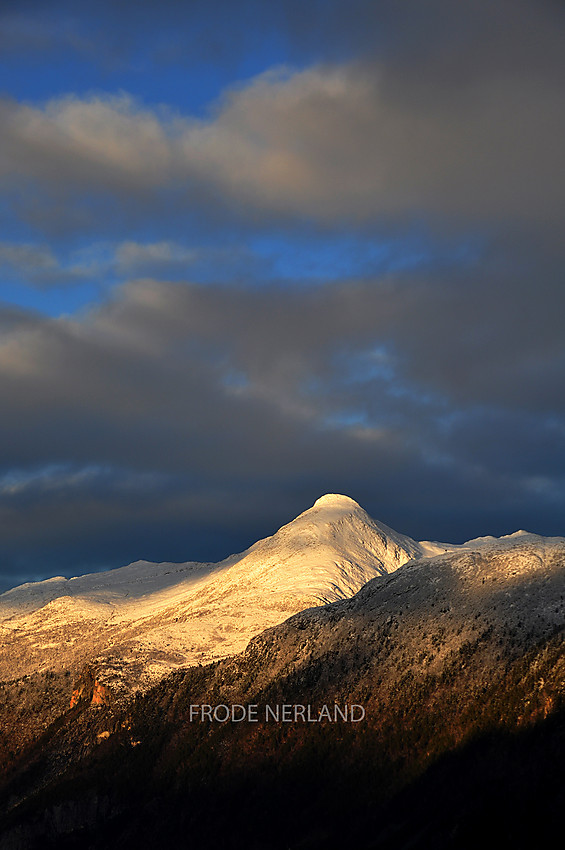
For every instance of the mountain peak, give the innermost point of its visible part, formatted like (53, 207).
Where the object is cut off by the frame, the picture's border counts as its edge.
(335, 500)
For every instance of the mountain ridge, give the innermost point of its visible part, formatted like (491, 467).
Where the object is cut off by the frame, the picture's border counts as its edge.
(142, 620)
(139, 622)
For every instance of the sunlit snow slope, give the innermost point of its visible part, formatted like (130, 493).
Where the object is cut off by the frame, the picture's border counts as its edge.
(142, 620)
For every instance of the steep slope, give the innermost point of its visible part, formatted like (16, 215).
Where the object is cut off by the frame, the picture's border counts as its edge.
(143, 620)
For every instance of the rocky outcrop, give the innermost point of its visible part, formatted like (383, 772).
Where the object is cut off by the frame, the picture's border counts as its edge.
(100, 694)
(87, 690)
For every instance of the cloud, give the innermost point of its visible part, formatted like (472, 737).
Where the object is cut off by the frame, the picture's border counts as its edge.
(271, 396)
(173, 410)
(366, 348)
(330, 143)
(37, 265)
(83, 142)
(35, 260)
(60, 479)
(131, 256)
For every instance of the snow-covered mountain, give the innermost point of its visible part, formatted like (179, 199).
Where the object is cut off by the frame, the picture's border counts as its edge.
(439, 643)
(482, 604)
(142, 620)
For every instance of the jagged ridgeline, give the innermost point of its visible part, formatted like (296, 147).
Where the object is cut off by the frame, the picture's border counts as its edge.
(456, 657)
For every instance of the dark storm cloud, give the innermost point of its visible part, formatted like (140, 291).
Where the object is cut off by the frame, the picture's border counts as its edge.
(227, 390)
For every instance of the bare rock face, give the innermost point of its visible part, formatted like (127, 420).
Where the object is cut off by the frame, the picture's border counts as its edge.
(100, 694)
(87, 690)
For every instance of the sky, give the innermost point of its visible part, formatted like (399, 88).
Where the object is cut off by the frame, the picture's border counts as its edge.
(251, 253)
